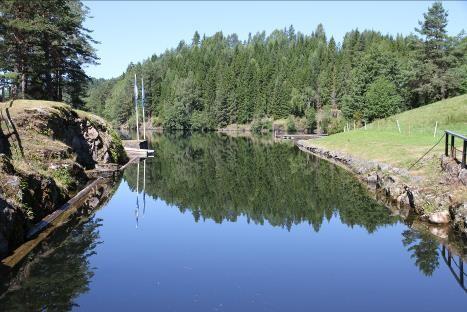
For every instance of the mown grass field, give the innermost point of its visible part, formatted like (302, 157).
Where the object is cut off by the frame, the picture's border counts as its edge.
(382, 141)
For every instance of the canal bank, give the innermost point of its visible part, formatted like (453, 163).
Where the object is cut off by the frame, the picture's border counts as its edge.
(49, 152)
(402, 190)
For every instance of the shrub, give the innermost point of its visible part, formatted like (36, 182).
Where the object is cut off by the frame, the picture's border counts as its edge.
(310, 116)
(200, 121)
(291, 127)
(261, 125)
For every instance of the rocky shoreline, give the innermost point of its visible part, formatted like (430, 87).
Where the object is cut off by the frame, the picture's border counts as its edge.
(400, 189)
(47, 150)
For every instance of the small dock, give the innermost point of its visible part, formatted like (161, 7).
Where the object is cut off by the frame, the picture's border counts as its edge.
(137, 148)
(297, 136)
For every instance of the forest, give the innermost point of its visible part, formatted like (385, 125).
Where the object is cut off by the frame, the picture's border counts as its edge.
(217, 80)
(43, 50)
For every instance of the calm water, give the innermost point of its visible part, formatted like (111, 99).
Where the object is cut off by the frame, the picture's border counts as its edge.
(213, 223)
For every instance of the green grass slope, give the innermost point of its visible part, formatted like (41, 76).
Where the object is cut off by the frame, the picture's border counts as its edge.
(382, 140)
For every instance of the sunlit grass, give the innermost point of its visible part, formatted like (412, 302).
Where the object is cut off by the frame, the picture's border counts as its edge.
(382, 141)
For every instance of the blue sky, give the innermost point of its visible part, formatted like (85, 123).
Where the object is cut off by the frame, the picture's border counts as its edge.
(130, 31)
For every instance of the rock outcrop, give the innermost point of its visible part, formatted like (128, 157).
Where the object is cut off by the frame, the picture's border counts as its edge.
(45, 150)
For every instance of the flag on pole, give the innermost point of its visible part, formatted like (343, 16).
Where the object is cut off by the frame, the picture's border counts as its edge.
(142, 92)
(136, 109)
(142, 104)
(136, 92)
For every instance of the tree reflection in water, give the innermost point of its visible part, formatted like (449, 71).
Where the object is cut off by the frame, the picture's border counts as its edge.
(423, 248)
(53, 277)
(222, 178)
(219, 178)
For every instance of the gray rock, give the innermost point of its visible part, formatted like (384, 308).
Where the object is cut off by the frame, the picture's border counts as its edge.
(372, 179)
(463, 176)
(440, 217)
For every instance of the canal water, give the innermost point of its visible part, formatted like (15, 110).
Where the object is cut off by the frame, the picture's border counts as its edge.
(215, 223)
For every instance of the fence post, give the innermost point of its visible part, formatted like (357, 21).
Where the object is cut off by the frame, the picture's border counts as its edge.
(436, 128)
(453, 149)
(464, 155)
(446, 150)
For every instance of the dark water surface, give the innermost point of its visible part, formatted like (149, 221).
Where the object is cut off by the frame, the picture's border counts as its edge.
(230, 224)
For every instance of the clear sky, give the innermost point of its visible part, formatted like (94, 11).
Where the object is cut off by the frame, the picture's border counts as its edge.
(131, 31)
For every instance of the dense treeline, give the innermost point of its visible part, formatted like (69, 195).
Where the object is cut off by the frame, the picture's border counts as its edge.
(222, 178)
(220, 80)
(43, 47)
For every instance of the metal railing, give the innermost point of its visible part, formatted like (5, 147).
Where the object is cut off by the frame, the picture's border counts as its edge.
(450, 148)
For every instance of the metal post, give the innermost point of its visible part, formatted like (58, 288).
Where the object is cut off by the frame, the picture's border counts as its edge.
(446, 150)
(453, 149)
(464, 155)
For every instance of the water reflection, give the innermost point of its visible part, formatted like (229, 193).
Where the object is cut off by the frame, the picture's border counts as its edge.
(423, 248)
(52, 278)
(221, 178)
(229, 180)
(456, 267)
(58, 271)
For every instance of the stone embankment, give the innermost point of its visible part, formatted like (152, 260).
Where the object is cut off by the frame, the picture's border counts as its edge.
(46, 152)
(403, 190)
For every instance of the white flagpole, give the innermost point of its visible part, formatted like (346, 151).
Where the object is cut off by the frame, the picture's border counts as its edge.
(142, 104)
(136, 108)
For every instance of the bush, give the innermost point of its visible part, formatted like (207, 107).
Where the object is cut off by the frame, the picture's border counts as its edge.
(382, 100)
(310, 116)
(261, 125)
(156, 121)
(200, 121)
(335, 125)
(291, 127)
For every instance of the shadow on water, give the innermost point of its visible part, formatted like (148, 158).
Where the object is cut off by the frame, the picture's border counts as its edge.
(58, 271)
(54, 283)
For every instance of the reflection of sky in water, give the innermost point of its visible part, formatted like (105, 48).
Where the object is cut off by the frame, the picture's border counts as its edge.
(171, 262)
(139, 253)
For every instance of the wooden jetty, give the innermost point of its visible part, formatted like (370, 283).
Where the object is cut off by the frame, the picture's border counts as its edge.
(137, 148)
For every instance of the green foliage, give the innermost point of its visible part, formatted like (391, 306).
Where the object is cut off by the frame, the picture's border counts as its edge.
(285, 73)
(261, 125)
(116, 148)
(63, 177)
(200, 121)
(44, 48)
(335, 125)
(381, 100)
(291, 127)
(310, 115)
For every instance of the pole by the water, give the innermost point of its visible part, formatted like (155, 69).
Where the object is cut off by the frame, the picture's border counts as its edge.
(144, 185)
(137, 197)
(136, 108)
(142, 104)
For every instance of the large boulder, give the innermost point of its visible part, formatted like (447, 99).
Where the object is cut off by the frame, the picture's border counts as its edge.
(440, 217)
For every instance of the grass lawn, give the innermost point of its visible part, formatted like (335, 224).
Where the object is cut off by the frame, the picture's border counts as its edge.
(382, 141)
